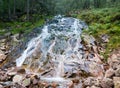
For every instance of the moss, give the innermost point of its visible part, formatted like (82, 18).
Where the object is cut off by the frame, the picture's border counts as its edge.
(104, 21)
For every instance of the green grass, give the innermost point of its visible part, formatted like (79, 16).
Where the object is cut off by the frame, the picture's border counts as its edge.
(21, 26)
(104, 21)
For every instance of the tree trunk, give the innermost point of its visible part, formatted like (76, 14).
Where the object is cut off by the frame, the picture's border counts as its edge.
(14, 9)
(9, 10)
(28, 9)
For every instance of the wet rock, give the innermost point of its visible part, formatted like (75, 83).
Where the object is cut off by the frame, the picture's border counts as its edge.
(6, 84)
(26, 82)
(17, 78)
(107, 83)
(117, 72)
(109, 73)
(116, 82)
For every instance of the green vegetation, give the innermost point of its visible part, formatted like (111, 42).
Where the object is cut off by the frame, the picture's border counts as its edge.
(15, 27)
(104, 21)
(19, 27)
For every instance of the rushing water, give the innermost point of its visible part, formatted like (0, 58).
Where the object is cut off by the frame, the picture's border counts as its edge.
(57, 50)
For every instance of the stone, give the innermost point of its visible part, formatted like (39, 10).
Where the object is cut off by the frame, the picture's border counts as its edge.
(105, 38)
(12, 73)
(54, 85)
(26, 82)
(109, 73)
(116, 81)
(96, 69)
(75, 81)
(1, 52)
(17, 78)
(114, 61)
(2, 57)
(2, 40)
(89, 81)
(71, 85)
(117, 72)
(35, 81)
(94, 87)
(107, 83)
(1, 86)
(21, 71)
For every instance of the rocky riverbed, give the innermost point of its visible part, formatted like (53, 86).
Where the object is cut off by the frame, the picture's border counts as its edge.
(14, 77)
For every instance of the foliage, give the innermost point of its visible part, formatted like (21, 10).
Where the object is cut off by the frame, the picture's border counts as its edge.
(104, 21)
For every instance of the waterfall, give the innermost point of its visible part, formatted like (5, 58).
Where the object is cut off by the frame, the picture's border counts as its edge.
(57, 47)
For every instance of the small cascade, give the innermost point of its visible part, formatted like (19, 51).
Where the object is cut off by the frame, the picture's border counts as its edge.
(58, 51)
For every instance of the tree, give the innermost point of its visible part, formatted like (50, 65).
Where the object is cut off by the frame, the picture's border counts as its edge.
(28, 9)
(14, 10)
(97, 3)
(9, 10)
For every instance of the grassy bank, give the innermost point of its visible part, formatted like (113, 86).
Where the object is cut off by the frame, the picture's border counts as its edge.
(103, 21)
(21, 26)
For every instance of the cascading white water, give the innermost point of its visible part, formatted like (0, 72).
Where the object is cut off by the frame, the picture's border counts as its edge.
(57, 47)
